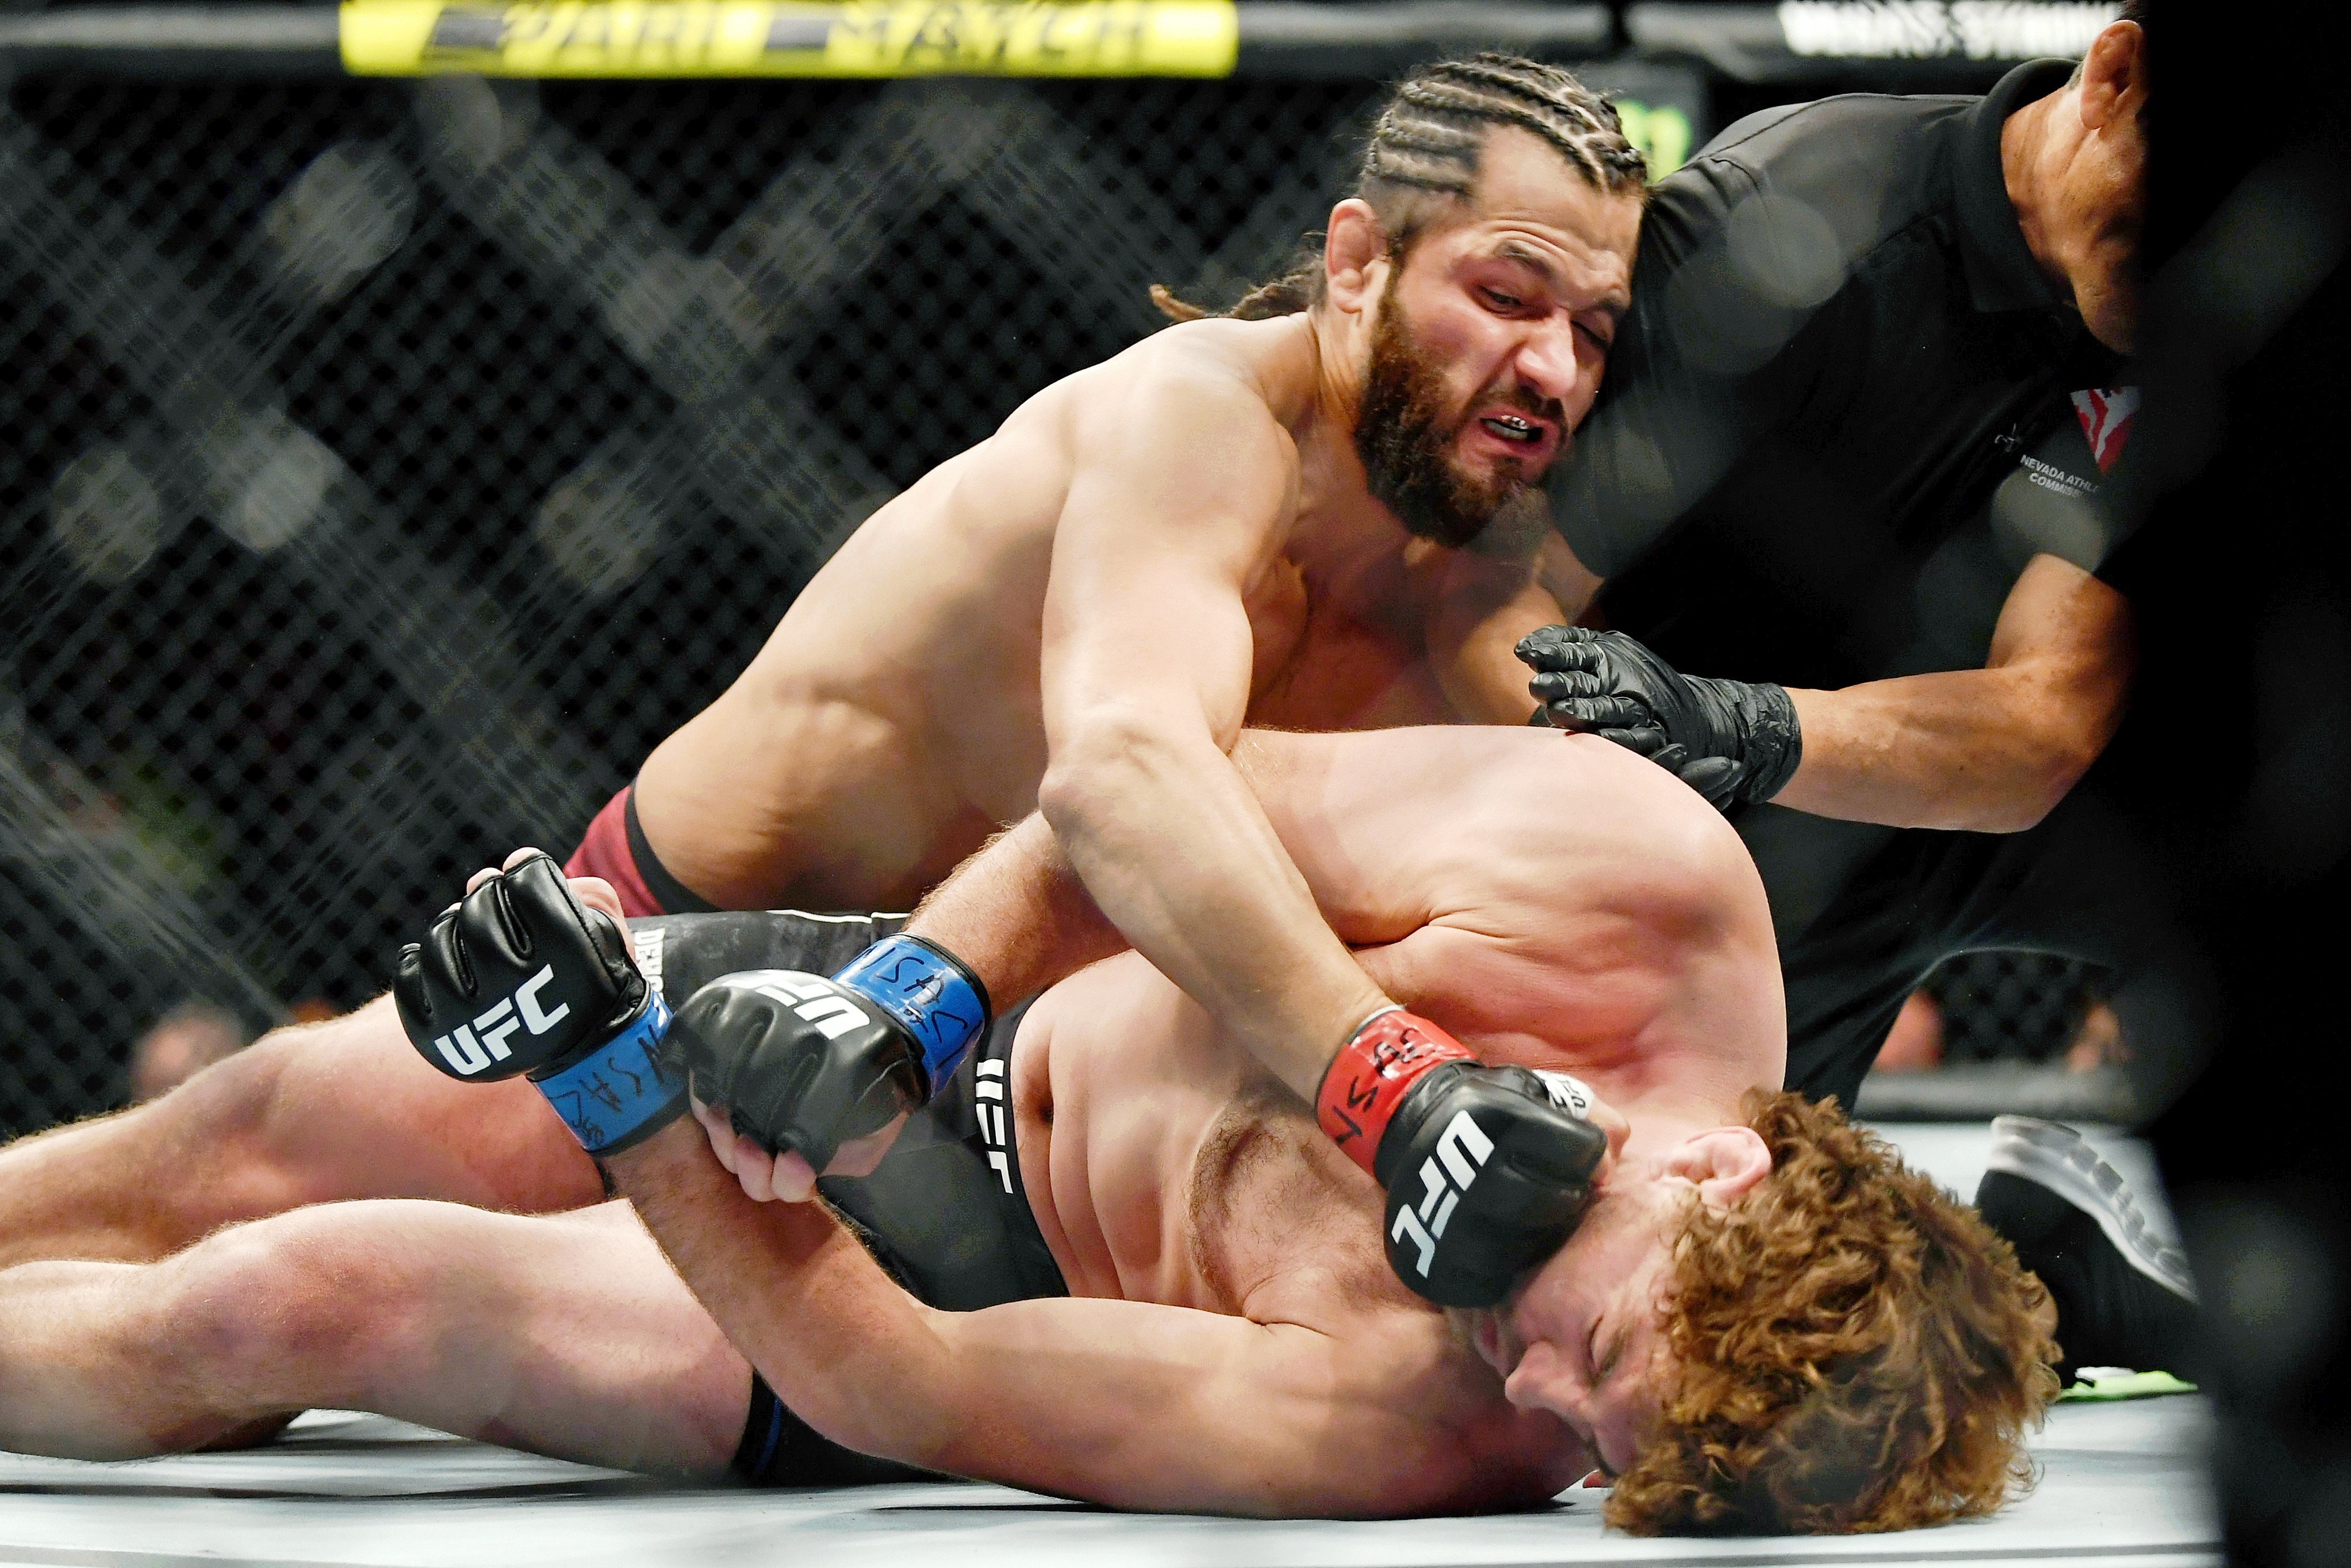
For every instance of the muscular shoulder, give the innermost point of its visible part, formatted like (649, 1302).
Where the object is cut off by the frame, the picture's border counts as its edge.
(1183, 437)
(1547, 897)
(1186, 424)
(1216, 375)
(1643, 817)
(1455, 817)
(1596, 864)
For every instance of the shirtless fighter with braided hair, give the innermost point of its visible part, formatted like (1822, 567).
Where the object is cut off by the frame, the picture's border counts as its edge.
(1320, 521)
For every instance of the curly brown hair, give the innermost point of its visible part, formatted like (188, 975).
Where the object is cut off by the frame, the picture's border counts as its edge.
(1857, 1351)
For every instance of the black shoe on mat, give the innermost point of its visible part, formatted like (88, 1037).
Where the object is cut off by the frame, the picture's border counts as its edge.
(2123, 1294)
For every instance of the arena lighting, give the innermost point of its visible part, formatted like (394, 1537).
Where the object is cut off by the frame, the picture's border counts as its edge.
(1800, 39)
(762, 38)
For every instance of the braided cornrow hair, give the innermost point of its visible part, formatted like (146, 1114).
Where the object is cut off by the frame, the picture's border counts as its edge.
(1422, 155)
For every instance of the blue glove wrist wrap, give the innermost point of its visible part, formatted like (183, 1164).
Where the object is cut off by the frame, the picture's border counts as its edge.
(620, 1093)
(928, 989)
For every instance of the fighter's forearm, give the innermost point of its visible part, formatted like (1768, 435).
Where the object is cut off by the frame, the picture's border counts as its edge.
(1018, 915)
(1985, 750)
(1178, 853)
(838, 1340)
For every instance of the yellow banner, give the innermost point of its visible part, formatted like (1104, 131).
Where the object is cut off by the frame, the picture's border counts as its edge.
(778, 37)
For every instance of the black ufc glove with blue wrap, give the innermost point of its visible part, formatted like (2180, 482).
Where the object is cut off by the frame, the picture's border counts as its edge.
(1729, 740)
(806, 1064)
(520, 978)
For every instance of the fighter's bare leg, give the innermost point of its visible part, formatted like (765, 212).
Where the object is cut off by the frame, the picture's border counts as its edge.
(566, 1335)
(312, 1113)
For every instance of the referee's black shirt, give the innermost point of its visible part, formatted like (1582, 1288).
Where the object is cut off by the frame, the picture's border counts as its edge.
(1846, 406)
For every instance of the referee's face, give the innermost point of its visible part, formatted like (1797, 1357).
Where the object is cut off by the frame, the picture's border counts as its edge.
(1514, 304)
(2079, 179)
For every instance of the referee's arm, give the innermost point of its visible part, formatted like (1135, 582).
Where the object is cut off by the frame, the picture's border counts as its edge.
(1993, 750)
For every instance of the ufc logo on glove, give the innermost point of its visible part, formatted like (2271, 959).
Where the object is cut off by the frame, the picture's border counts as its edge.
(1464, 1148)
(573, 1013)
(814, 1001)
(470, 1048)
(1398, 1097)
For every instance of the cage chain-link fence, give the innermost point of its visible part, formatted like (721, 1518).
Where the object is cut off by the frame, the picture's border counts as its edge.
(2014, 1007)
(393, 465)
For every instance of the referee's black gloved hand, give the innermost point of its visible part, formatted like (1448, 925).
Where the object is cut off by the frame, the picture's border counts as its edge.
(1729, 740)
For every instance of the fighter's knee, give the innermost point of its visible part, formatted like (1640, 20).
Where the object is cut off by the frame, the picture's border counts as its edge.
(247, 1087)
(314, 1300)
(242, 1308)
(232, 1120)
(318, 1113)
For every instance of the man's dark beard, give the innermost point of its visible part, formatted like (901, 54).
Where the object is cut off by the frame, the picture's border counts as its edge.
(1401, 436)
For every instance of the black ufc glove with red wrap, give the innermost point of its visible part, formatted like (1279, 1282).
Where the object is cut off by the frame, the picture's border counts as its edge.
(1729, 740)
(1487, 1169)
(520, 978)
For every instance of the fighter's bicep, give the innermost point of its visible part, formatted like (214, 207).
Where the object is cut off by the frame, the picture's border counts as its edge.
(1168, 1408)
(1169, 639)
(1185, 460)
(1176, 506)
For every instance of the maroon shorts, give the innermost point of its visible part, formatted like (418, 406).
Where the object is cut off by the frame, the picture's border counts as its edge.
(614, 848)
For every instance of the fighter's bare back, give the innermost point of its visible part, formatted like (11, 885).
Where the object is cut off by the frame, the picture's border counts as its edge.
(1628, 945)
(893, 720)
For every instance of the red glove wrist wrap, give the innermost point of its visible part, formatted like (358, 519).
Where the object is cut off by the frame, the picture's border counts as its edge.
(1372, 1073)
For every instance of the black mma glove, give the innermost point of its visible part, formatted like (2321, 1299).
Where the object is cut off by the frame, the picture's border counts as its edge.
(1488, 1170)
(520, 978)
(806, 1064)
(1729, 740)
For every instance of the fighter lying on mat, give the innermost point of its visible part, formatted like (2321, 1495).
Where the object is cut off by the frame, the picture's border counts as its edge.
(1233, 521)
(1764, 1321)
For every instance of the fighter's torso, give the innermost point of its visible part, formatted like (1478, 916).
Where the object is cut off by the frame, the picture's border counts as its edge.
(894, 719)
(1571, 907)
(1165, 1169)
(1162, 1169)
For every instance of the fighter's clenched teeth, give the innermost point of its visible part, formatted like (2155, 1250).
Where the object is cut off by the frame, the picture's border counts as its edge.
(1511, 427)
